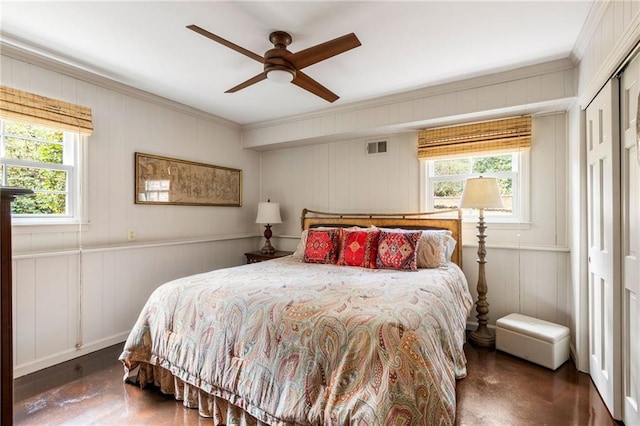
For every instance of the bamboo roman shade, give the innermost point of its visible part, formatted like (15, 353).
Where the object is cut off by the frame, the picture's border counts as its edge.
(509, 134)
(24, 106)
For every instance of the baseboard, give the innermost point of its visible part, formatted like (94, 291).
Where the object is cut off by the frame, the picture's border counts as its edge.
(42, 363)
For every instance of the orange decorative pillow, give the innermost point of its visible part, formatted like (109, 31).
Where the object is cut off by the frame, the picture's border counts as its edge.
(358, 248)
(322, 246)
(397, 250)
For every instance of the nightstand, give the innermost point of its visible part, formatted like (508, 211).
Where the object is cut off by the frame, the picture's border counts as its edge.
(256, 256)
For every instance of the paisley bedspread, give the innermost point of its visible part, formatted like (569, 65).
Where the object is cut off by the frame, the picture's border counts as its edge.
(295, 343)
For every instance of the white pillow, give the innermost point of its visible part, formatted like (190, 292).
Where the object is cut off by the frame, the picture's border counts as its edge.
(432, 249)
(299, 253)
(451, 246)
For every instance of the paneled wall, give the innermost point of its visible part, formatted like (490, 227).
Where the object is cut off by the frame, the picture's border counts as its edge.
(340, 176)
(80, 287)
(70, 303)
(527, 268)
(127, 121)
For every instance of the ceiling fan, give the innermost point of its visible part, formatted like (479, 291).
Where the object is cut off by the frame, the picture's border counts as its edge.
(283, 66)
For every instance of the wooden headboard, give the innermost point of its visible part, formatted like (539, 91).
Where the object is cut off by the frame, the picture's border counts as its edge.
(430, 220)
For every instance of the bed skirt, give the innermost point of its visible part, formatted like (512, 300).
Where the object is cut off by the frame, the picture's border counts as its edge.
(220, 410)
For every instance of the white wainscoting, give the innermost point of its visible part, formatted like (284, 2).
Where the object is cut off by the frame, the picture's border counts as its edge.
(531, 281)
(69, 303)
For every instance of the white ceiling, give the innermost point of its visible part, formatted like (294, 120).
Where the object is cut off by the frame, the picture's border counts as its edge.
(405, 45)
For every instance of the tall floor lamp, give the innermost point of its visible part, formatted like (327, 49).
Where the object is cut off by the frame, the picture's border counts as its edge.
(268, 214)
(481, 193)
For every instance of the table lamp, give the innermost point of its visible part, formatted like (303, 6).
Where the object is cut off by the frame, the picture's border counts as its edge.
(268, 214)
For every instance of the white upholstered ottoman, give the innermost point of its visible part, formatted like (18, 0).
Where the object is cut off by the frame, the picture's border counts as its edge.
(535, 340)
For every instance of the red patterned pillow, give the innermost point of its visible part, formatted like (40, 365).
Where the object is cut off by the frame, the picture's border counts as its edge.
(397, 250)
(358, 248)
(322, 246)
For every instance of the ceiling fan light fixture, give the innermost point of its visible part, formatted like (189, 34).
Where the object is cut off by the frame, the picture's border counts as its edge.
(282, 66)
(280, 75)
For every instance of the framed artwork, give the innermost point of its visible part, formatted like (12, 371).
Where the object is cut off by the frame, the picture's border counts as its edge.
(169, 181)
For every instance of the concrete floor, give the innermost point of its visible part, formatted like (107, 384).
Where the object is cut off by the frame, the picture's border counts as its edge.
(499, 390)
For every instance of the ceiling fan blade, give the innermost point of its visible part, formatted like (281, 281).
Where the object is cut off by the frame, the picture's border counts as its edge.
(252, 80)
(307, 83)
(323, 51)
(227, 43)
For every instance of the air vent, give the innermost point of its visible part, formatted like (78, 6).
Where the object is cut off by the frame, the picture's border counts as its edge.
(377, 147)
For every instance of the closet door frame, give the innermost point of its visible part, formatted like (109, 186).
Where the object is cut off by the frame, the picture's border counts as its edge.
(630, 239)
(603, 244)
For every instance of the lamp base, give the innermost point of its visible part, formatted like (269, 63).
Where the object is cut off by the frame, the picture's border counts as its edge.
(267, 248)
(483, 337)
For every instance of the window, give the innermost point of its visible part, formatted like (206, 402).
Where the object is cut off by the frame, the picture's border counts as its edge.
(443, 182)
(44, 160)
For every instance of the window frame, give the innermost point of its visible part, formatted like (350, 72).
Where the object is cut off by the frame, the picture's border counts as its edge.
(521, 193)
(74, 156)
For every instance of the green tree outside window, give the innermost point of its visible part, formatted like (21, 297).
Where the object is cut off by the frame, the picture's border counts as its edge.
(29, 153)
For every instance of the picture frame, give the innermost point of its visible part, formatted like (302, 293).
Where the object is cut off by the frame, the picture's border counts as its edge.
(171, 181)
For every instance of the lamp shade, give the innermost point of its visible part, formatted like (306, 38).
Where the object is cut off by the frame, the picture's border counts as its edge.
(268, 212)
(481, 193)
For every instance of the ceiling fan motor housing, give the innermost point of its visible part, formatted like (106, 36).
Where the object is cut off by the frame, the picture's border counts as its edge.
(274, 59)
(280, 39)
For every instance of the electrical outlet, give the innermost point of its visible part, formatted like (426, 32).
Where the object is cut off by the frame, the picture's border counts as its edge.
(131, 235)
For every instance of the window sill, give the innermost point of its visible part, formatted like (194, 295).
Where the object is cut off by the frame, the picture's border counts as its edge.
(27, 227)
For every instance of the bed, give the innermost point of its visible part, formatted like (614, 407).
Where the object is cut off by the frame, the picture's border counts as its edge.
(291, 341)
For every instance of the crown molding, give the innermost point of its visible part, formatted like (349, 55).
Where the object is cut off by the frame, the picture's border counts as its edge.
(44, 58)
(613, 64)
(597, 11)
